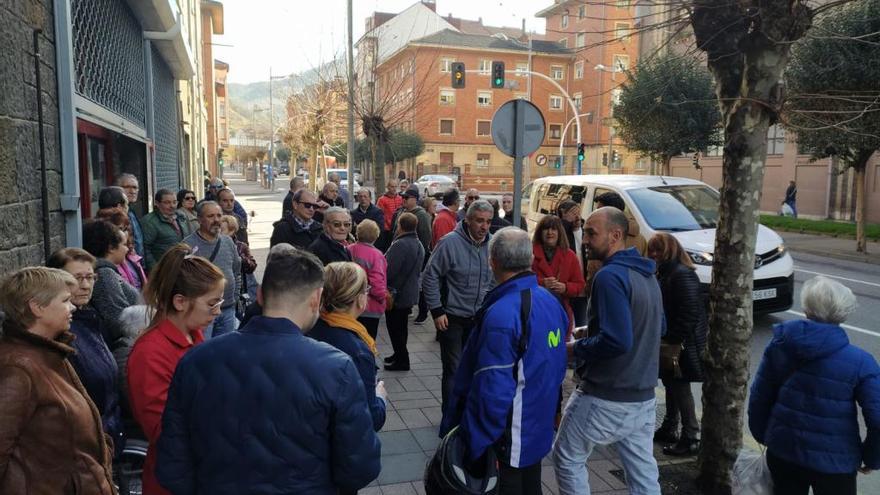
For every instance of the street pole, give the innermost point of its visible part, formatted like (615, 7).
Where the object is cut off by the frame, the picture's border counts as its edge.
(350, 153)
(518, 137)
(271, 135)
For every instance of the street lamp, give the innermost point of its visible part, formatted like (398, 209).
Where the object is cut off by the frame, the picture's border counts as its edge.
(612, 70)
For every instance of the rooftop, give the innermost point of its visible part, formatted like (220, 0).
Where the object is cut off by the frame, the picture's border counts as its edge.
(448, 37)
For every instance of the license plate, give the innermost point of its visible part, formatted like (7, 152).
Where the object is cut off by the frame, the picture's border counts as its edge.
(758, 295)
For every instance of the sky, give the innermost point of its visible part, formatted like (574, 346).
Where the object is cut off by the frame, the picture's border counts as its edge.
(296, 35)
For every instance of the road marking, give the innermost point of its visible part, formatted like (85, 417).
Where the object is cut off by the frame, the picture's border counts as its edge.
(842, 325)
(837, 277)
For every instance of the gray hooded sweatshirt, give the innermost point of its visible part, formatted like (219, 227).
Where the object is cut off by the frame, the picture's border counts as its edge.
(458, 275)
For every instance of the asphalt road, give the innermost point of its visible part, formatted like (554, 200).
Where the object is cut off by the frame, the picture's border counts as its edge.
(863, 327)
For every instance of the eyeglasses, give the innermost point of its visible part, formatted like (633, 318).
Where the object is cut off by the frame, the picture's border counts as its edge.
(91, 278)
(311, 206)
(337, 224)
(188, 198)
(367, 289)
(216, 305)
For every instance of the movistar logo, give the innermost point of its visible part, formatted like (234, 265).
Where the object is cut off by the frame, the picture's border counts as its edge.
(553, 338)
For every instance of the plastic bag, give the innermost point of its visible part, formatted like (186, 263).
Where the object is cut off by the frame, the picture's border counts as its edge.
(751, 476)
(786, 210)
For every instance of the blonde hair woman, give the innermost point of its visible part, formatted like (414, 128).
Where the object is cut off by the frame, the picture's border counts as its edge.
(373, 262)
(51, 439)
(344, 299)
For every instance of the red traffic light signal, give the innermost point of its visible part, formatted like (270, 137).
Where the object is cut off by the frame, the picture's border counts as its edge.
(497, 74)
(457, 69)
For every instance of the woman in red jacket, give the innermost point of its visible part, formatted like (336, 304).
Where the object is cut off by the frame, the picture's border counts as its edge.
(186, 292)
(555, 264)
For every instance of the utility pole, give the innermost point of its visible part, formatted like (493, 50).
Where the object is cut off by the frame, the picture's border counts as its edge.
(271, 135)
(350, 153)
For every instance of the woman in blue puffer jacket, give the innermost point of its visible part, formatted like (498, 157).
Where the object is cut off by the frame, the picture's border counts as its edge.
(804, 396)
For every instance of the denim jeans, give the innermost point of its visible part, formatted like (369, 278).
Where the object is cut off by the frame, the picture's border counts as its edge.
(224, 323)
(590, 421)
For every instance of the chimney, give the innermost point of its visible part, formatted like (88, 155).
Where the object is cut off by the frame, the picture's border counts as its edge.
(431, 4)
(524, 26)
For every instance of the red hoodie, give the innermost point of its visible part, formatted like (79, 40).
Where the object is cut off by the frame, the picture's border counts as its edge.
(444, 223)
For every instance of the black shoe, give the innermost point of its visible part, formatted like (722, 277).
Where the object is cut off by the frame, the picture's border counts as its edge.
(421, 319)
(397, 367)
(390, 359)
(685, 447)
(666, 434)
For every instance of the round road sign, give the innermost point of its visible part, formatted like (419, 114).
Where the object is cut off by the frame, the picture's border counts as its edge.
(541, 160)
(504, 128)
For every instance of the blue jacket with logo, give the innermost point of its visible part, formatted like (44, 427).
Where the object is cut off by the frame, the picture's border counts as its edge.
(803, 399)
(516, 415)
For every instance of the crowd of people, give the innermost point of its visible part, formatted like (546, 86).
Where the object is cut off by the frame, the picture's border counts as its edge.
(158, 328)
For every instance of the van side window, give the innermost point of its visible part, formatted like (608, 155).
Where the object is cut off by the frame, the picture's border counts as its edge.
(551, 195)
(600, 191)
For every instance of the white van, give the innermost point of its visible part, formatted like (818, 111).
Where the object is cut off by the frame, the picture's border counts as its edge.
(685, 208)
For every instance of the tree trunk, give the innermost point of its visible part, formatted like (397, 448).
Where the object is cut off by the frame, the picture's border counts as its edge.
(377, 148)
(860, 165)
(666, 165)
(747, 58)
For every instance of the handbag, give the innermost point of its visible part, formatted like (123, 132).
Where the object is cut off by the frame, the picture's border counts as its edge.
(670, 359)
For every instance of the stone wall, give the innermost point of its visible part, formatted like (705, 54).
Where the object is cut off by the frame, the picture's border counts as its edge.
(21, 237)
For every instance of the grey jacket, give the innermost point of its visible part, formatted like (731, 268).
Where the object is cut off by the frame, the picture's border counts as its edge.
(227, 260)
(405, 257)
(110, 296)
(458, 275)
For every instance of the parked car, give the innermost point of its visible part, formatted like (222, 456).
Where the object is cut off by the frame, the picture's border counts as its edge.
(284, 169)
(343, 179)
(685, 208)
(434, 185)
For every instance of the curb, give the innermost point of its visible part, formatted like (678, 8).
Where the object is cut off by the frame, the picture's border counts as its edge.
(859, 258)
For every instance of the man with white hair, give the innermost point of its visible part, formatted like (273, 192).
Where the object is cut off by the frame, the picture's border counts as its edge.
(515, 358)
(330, 245)
(129, 184)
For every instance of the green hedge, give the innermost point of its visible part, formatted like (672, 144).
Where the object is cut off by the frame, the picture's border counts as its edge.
(824, 227)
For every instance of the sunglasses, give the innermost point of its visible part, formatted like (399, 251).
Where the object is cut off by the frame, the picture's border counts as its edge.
(311, 206)
(473, 197)
(188, 198)
(337, 224)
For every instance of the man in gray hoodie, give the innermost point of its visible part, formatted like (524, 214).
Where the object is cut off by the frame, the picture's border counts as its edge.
(220, 250)
(614, 402)
(455, 281)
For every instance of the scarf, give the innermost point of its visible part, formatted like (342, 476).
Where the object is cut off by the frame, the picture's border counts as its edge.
(350, 323)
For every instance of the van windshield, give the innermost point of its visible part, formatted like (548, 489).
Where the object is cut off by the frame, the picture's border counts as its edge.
(678, 208)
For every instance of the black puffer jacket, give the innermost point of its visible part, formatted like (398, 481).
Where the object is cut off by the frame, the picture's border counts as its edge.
(288, 230)
(685, 312)
(329, 251)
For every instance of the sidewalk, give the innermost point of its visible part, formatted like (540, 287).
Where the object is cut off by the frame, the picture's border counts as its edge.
(832, 247)
(409, 436)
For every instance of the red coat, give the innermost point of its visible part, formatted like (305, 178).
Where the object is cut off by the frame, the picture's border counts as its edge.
(444, 223)
(388, 207)
(566, 268)
(150, 367)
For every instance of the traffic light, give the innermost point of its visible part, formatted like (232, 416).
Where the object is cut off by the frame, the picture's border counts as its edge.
(615, 157)
(558, 162)
(580, 152)
(604, 159)
(497, 74)
(457, 75)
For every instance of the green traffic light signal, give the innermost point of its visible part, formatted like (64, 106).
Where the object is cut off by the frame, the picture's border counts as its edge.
(498, 74)
(581, 153)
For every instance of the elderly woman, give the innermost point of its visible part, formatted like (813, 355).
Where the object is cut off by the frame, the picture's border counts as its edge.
(686, 328)
(330, 246)
(803, 399)
(555, 263)
(131, 269)
(93, 362)
(373, 262)
(111, 293)
(186, 293)
(51, 440)
(229, 226)
(186, 201)
(345, 297)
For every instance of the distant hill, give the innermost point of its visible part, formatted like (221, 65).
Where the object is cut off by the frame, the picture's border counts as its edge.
(243, 97)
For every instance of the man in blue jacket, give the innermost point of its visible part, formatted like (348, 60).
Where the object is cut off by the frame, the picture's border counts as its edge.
(267, 409)
(614, 402)
(508, 383)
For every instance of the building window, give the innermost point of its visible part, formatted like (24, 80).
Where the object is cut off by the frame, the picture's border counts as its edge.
(579, 70)
(555, 102)
(447, 127)
(578, 100)
(564, 21)
(621, 63)
(623, 4)
(555, 131)
(484, 128)
(580, 40)
(447, 158)
(483, 160)
(485, 67)
(556, 72)
(775, 140)
(221, 109)
(582, 11)
(447, 97)
(484, 98)
(621, 31)
(522, 69)
(615, 96)
(574, 133)
(563, 42)
(445, 64)
(589, 117)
